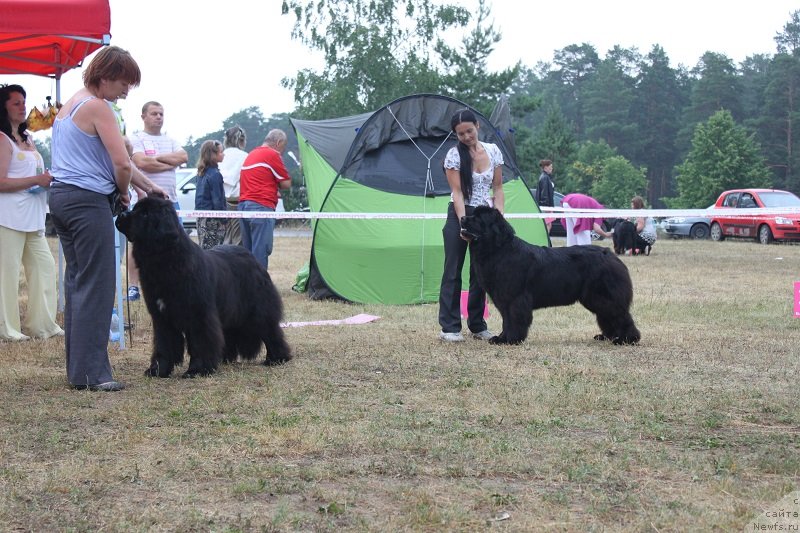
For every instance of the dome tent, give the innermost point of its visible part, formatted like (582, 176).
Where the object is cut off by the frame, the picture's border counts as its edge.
(390, 162)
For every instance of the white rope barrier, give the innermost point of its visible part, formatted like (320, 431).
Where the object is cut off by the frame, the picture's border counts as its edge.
(549, 212)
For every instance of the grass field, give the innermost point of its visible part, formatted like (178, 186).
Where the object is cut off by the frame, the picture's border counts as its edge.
(380, 427)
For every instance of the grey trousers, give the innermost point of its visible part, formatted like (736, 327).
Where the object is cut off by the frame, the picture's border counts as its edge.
(85, 228)
(233, 229)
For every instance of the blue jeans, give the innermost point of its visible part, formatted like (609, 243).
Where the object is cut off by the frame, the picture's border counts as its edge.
(257, 232)
(177, 207)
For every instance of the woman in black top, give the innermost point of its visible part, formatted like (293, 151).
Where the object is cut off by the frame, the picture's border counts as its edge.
(545, 189)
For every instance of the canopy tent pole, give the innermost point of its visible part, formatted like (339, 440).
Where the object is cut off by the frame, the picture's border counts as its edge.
(48, 38)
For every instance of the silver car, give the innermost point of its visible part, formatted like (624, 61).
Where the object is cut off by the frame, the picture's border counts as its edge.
(694, 227)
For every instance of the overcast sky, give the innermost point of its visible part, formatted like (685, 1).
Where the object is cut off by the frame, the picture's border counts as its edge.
(205, 60)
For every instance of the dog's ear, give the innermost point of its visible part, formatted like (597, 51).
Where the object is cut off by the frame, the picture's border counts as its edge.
(155, 222)
(503, 231)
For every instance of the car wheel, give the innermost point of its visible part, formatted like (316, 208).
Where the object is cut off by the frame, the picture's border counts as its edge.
(764, 234)
(699, 231)
(716, 232)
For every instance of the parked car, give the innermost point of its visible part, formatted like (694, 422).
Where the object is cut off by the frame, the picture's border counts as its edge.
(186, 184)
(556, 228)
(694, 227)
(763, 228)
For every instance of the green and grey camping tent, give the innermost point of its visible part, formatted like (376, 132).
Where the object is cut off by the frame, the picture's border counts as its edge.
(376, 165)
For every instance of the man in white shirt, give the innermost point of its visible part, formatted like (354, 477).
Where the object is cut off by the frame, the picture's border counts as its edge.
(157, 155)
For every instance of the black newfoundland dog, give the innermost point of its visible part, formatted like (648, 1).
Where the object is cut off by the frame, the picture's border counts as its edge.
(627, 240)
(219, 303)
(521, 277)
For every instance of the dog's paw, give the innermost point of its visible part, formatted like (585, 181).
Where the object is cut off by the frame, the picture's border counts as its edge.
(601, 337)
(275, 362)
(501, 339)
(154, 372)
(195, 373)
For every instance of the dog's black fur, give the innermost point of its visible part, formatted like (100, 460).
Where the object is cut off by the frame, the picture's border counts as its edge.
(624, 236)
(221, 302)
(627, 240)
(520, 277)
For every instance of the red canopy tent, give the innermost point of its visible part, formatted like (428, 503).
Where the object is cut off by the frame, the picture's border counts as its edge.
(50, 37)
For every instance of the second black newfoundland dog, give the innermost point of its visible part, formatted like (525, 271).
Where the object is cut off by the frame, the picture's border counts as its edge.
(218, 303)
(520, 277)
(627, 240)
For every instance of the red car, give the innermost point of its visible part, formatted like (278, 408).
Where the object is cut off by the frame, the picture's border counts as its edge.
(763, 228)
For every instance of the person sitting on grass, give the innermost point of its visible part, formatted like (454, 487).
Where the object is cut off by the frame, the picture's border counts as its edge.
(645, 229)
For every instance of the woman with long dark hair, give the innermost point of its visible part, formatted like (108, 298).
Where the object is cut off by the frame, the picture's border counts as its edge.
(23, 205)
(475, 176)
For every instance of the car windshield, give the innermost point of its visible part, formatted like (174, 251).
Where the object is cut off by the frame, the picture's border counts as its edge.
(183, 175)
(779, 199)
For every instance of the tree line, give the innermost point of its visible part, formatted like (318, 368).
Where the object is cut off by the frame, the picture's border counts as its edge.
(623, 124)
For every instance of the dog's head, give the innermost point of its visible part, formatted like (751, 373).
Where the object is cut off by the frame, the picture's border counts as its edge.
(487, 226)
(151, 220)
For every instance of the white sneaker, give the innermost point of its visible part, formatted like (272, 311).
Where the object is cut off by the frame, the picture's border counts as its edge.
(451, 337)
(484, 335)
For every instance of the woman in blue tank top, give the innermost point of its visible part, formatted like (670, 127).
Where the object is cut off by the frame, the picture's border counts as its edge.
(89, 164)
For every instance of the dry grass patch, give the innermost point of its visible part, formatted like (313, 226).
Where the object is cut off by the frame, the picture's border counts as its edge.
(381, 427)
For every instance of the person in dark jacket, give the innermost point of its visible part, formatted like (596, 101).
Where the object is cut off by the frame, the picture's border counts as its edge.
(545, 189)
(210, 194)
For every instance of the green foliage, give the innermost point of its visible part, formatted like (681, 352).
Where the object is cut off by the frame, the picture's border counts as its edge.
(659, 93)
(619, 181)
(610, 178)
(723, 156)
(788, 41)
(588, 166)
(467, 77)
(592, 153)
(557, 143)
(780, 119)
(44, 150)
(608, 99)
(575, 66)
(716, 87)
(374, 51)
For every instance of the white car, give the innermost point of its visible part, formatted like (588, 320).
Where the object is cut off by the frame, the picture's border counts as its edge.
(186, 184)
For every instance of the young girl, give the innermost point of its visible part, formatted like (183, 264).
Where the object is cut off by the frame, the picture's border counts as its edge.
(210, 194)
(473, 170)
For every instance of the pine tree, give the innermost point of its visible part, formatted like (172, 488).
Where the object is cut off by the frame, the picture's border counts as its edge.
(723, 156)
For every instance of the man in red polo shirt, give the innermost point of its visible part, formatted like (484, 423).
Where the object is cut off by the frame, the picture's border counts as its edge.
(262, 174)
